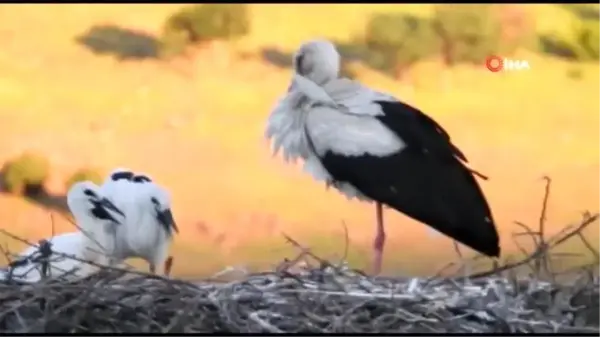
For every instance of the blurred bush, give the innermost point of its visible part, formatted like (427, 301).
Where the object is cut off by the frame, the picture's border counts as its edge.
(589, 11)
(203, 22)
(459, 33)
(83, 175)
(582, 41)
(122, 42)
(583, 44)
(557, 45)
(517, 28)
(575, 73)
(468, 33)
(587, 38)
(396, 41)
(26, 174)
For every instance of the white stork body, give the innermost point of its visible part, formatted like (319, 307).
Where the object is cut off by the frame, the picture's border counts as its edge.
(27, 267)
(149, 227)
(373, 147)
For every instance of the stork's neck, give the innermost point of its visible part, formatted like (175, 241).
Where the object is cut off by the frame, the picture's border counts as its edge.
(322, 78)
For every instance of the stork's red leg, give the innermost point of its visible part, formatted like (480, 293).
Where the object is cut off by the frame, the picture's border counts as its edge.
(168, 265)
(379, 240)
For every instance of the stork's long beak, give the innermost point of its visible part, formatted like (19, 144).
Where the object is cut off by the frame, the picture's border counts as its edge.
(108, 205)
(166, 219)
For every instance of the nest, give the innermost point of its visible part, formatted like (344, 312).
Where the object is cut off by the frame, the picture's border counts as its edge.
(316, 301)
(327, 298)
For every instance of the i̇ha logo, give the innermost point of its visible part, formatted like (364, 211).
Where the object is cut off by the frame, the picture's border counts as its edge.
(496, 63)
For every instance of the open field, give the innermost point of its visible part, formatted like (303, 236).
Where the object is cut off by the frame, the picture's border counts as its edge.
(199, 132)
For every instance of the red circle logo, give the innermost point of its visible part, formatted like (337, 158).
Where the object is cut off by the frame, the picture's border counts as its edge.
(494, 63)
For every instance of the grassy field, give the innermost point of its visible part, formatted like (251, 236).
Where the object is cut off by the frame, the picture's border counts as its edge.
(199, 131)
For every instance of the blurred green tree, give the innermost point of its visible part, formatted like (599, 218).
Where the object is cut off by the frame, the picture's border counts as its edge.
(26, 174)
(204, 22)
(468, 32)
(582, 41)
(396, 42)
(517, 28)
(82, 175)
(588, 39)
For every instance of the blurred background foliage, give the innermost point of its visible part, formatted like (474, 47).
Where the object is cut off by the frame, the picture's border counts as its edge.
(393, 42)
(182, 92)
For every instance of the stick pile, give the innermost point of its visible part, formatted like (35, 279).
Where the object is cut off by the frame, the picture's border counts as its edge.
(317, 301)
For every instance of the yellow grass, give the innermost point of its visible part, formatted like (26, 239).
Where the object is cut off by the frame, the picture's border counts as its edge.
(200, 132)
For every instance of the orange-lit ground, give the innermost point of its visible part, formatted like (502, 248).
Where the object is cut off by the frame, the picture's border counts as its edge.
(199, 132)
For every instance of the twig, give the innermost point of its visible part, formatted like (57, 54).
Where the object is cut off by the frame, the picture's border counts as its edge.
(588, 245)
(542, 260)
(6, 254)
(556, 241)
(457, 249)
(308, 252)
(346, 243)
(263, 324)
(52, 224)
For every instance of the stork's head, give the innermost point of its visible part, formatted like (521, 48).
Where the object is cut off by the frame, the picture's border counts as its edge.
(119, 174)
(161, 204)
(86, 201)
(317, 60)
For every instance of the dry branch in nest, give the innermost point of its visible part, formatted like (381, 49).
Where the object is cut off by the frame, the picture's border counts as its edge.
(328, 298)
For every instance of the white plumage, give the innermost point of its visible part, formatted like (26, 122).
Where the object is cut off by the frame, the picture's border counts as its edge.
(95, 214)
(97, 218)
(28, 268)
(147, 232)
(308, 106)
(371, 146)
(117, 186)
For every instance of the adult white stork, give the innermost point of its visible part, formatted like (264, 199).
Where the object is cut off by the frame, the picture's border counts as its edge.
(149, 227)
(371, 146)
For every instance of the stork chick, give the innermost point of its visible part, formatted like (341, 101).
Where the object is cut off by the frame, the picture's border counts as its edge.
(149, 228)
(95, 215)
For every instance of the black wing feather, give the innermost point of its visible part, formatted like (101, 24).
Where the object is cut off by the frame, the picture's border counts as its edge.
(166, 220)
(418, 130)
(100, 212)
(426, 180)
